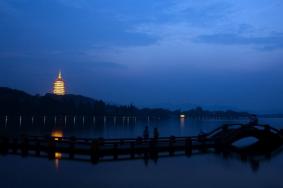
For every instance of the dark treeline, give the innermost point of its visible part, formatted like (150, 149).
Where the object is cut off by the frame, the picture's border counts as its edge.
(271, 115)
(199, 113)
(15, 102)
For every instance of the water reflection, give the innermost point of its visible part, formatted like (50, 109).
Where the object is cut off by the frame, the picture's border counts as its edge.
(57, 135)
(117, 127)
(253, 155)
(57, 158)
(182, 123)
(251, 159)
(206, 168)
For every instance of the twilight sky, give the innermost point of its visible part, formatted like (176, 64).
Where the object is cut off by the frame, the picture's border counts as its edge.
(168, 53)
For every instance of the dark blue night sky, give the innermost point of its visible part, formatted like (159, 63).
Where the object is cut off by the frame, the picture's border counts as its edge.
(168, 53)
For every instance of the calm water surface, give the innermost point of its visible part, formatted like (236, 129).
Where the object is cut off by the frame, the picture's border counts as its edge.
(203, 170)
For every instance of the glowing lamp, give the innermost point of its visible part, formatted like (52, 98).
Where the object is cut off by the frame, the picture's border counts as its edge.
(57, 134)
(58, 155)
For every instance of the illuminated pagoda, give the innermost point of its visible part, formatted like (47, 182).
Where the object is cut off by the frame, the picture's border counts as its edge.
(59, 85)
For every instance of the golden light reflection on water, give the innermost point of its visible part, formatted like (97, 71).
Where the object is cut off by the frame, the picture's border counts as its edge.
(58, 157)
(57, 134)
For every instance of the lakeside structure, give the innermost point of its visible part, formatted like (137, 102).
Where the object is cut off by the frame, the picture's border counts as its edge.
(219, 140)
(59, 85)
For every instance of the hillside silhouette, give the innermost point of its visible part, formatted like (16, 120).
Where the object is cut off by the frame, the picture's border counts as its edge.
(16, 102)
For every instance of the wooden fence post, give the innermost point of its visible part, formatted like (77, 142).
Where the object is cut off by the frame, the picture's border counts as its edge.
(4, 145)
(24, 146)
(51, 148)
(95, 151)
(132, 150)
(188, 146)
(172, 140)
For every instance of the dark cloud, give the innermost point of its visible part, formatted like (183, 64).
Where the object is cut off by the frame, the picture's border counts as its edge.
(200, 14)
(111, 65)
(270, 42)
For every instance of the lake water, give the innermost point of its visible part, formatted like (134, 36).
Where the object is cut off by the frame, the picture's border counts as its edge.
(203, 170)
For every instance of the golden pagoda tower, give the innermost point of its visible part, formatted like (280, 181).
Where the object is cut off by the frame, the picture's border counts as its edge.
(59, 85)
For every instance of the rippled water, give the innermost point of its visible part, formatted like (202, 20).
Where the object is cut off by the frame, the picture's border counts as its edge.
(201, 170)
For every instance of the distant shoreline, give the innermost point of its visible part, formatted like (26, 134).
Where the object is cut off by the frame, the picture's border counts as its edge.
(16, 102)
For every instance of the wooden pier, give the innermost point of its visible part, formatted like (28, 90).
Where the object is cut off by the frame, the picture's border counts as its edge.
(99, 148)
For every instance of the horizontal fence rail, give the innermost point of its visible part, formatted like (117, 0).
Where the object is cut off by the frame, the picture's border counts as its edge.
(219, 139)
